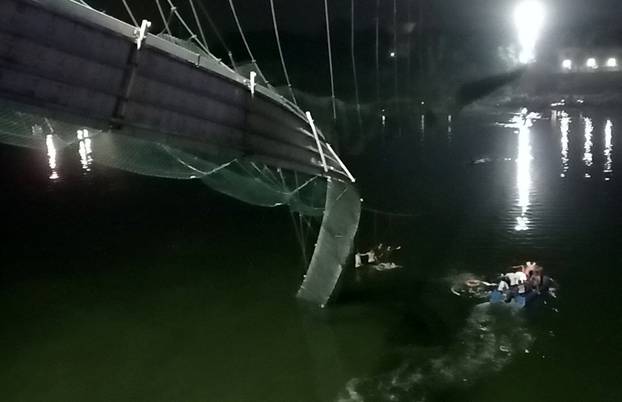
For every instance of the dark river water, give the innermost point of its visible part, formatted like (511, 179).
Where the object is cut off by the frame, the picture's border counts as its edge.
(118, 287)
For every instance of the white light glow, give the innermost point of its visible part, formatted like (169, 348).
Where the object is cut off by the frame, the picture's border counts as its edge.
(567, 64)
(591, 63)
(392, 54)
(612, 62)
(529, 19)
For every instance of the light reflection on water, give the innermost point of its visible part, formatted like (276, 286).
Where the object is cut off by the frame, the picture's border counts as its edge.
(52, 156)
(608, 166)
(588, 157)
(523, 171)
(566, 123)
(565, 127)
(85, 150)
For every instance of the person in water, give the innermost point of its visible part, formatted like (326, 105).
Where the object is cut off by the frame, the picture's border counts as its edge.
(377, 255)
(513, 283)
(524, 280)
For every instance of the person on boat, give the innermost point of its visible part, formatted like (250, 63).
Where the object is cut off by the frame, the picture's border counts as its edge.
(539, 282)
(504, 285)
(517, 281)
(377, 257)
(370, 258)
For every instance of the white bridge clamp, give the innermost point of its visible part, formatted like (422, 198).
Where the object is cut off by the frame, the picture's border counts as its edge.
(252, 82)
(343, 165)
(141, 33)
(317, 141)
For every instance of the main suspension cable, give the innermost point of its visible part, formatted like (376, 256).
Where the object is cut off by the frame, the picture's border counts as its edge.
(278, 42)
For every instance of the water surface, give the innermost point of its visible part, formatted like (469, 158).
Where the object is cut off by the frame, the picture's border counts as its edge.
(121, 287)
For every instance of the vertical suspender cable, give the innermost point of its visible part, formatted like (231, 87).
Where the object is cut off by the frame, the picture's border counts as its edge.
(395, 47)
(193, 36)
(166, 26)
(217, 33)
(278, 42)
(129, 11)
(84, 3)
(356, 83)
(330, 60)
(248, 49)
(395, 67)
(408, 45)
(198, 22)
(377, 51)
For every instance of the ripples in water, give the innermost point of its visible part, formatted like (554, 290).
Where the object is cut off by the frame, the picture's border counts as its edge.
(492, 336)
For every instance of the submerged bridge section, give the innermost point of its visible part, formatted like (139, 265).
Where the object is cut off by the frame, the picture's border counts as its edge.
(69, 63)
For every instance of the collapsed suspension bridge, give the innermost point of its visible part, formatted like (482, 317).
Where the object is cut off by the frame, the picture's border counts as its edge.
(161, 106)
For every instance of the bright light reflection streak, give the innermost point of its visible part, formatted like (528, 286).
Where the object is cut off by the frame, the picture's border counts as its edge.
(85, 149)
(523, 173)
(529, 18)
(608, 169)
(449, 128)
(51, 150)
(565, 128)
(587, 147)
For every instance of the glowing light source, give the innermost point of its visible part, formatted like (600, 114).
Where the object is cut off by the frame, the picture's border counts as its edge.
(529, 18)
(392, 54)
(591, 63)
(612, 62)
(567, 64)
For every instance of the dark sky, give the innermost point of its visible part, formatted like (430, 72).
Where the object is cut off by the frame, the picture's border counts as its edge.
(307, 16)
(491, 17)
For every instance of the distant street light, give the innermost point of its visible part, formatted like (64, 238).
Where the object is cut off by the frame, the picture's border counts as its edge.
(591, 63)
(529, 19)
